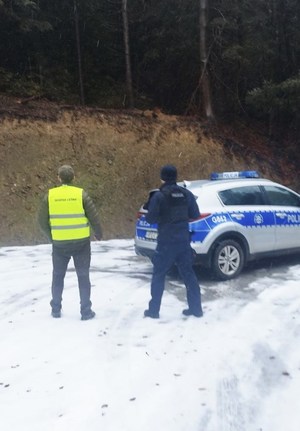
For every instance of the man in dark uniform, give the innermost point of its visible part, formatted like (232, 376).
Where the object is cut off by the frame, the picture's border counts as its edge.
(171, 208)
(66, 214)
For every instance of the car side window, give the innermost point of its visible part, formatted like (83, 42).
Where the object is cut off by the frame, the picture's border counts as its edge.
(248, 195)
(282, 197)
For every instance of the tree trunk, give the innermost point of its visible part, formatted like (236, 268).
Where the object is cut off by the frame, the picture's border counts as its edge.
(204, 78)
(129, 90)
(79, 59)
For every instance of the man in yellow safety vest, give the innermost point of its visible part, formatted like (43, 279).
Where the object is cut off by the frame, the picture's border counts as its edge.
(66, 214)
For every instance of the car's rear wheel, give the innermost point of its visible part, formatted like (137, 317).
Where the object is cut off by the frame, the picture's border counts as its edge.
(227, 260)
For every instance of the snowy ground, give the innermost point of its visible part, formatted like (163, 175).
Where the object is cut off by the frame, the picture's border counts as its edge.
(236, 369)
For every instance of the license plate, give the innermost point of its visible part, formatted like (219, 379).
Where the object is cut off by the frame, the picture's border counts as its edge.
(151, 235)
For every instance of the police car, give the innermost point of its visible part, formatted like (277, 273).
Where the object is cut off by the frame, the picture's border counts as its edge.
(243, 217)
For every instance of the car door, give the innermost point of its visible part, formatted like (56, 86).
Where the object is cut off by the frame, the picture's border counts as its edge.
(286, 206)
(253, 217)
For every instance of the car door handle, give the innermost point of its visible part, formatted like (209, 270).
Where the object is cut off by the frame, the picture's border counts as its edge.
(238, 216)
(281, 215)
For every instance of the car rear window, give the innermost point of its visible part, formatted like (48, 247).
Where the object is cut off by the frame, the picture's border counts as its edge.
(248, 195)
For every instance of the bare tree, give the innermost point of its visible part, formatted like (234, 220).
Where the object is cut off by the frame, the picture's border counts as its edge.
(79, 59)
(203, 86)
(129, 89)
(204, 78)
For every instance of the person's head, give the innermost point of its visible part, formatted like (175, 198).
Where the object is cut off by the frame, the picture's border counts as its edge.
(168, 174)
(66, 174)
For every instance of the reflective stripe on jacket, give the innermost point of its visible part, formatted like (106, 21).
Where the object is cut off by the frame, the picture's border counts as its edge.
(66, 214)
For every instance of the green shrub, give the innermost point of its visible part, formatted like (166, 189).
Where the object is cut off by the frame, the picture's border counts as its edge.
(282, 98)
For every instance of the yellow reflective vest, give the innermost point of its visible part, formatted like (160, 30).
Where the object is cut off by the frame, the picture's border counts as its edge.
(66, 214)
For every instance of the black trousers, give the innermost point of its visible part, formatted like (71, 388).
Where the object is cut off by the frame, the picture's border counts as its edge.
(165, 256)
(61, 255)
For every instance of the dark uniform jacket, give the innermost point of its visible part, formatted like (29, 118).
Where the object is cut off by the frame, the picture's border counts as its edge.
(90, 212)
(171, 208)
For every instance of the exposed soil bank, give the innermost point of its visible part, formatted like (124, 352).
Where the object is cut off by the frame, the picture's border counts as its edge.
(116, 156)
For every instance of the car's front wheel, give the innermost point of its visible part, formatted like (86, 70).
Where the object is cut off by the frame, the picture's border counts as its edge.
(227, 260)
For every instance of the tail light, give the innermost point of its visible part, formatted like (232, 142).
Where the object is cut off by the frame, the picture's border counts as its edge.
(202, 216)
(140, 214)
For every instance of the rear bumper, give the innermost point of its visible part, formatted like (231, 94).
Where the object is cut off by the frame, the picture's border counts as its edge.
(146, 252)
(199, 259)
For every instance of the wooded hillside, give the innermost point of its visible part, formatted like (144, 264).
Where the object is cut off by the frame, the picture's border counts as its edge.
(119, 87)
(215, 58)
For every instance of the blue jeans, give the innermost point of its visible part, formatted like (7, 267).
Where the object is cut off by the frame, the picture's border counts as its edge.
(166, 255)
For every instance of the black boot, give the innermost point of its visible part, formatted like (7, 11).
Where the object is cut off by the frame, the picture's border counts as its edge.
(88, 316)
(148, 313)
(189, 312)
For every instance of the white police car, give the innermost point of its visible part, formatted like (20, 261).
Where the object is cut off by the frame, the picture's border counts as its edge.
(243, 217)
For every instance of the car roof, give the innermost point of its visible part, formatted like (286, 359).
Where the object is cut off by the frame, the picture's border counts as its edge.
(216, 183)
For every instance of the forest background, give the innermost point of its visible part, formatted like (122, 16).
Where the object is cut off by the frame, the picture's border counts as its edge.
(160, 72)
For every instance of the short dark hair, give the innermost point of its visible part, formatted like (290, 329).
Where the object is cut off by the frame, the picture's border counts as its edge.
(66, 174)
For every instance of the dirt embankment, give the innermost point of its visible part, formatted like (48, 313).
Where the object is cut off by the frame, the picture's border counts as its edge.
(116, 157)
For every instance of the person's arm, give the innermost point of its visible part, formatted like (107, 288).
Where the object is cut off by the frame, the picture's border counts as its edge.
(153, 214)
(194, 212)
(43, 217)
(92, 215)
(146, 204)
